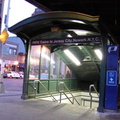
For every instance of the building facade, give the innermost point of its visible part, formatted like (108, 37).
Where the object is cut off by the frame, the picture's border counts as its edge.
(13, 55)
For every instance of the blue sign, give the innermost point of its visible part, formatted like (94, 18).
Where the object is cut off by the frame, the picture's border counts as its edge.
(111, 78)
(112, 57)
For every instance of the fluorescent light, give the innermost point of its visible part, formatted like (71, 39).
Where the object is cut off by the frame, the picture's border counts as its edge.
(80, 32)
(98, 53)
(69, 35)
(80, 47)
(78, 21)
(72, 57)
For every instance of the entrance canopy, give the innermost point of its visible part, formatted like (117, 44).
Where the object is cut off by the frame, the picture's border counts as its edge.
(70, 40)
(57, 25)
(60, 30)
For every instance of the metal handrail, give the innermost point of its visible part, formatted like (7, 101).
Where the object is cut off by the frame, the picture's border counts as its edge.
(38, 81)
(60, 90)
(34, 86)
(90, 88)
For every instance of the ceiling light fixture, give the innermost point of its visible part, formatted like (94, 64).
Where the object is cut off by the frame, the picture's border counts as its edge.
(70, 36)
(98, 53)
(80, 32)
(72, 57)
(78, 21)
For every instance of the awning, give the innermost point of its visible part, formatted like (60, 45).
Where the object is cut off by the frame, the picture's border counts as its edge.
(39, 26)
(22, 65)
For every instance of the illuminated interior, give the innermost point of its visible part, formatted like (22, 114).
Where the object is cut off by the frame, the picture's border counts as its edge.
(65, 63)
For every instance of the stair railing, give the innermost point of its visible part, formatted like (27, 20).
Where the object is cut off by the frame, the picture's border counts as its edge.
(62, 85)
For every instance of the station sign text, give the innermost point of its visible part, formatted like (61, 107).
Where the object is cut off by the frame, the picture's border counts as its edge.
(90, 39)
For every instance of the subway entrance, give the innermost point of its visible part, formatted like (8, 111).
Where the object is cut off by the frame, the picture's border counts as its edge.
(64, 53)
(71, 67)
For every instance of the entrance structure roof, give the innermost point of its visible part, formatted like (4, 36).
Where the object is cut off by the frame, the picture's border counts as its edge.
(68, 24)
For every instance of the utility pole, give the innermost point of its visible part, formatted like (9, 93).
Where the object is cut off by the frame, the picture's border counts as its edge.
(7, 16)
(6, 27)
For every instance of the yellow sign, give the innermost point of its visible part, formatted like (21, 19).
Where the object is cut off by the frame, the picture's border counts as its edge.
(4, 35)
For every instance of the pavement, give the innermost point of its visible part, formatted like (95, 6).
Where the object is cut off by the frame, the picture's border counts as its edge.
(12, 107)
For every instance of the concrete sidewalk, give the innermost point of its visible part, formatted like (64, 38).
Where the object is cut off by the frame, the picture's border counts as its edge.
(12, 107)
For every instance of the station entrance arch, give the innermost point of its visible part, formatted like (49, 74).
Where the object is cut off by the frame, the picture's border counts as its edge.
(61, 47)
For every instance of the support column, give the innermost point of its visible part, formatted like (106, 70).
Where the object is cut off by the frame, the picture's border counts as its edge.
(26, 70)
(111, 93)
(103, 76)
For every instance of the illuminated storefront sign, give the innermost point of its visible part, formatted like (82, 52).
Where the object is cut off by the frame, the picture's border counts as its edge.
(91, 39)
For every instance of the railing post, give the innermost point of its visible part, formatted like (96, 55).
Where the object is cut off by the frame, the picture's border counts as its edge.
(62, 91)
(90, 101)
(90, 88)
(34, 86)
(60, 96)
(44, 88)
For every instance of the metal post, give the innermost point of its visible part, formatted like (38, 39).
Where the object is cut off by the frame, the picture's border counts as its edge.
(26, 70)
(7, 16)
(1, 76)
(35, 88)
(90, 101)
(2, 60)
(60, 96)
(73, 100)
(103, 76)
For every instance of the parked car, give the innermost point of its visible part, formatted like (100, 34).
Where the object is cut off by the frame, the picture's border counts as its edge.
(4, 75)
(11, 74)
(22, 75)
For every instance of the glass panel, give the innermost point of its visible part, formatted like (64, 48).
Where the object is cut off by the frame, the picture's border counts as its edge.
(34, 62)
(45, 63)
(68, 73)
(62, 70)
(73, 76)
(54, 66)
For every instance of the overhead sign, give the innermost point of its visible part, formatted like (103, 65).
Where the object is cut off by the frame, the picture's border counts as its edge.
(82, 39)
(111, 78)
